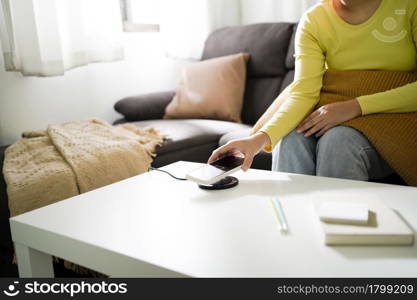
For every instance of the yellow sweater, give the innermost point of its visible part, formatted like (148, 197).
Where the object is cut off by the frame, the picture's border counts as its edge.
(386, 41)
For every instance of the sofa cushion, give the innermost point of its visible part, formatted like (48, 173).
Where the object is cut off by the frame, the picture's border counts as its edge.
(236, 134)
(288, 78)
(267, 43)
(211, 89)
(187, 133)
(260, 93)
(289, 60)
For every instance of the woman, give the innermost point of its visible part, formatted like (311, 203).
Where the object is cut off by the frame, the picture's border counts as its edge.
(341, 35)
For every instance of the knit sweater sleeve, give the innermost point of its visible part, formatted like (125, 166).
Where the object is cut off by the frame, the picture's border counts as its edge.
(304, 92)
(398, 100)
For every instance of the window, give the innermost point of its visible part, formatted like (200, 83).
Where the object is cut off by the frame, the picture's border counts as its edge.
(140, 15)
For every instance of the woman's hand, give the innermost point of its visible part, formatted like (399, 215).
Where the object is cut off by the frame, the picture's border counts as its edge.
(248, 147)
(329, 116)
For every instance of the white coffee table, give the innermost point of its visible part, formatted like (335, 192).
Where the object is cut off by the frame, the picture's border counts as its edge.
(152, 225)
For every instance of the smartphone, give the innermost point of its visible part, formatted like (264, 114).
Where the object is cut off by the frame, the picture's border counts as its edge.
(217, 170)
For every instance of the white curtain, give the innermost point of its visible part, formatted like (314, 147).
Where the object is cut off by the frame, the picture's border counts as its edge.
(48, 37)
(254, 11)
(185, 24)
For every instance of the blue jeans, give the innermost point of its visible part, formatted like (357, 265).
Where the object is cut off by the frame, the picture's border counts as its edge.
(341, 152)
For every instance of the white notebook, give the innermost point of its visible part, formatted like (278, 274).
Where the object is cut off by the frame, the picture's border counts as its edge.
(348, 213)
(385, 227)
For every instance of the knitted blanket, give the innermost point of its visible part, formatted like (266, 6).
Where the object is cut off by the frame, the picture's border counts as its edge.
(392, 134)
(65, 160)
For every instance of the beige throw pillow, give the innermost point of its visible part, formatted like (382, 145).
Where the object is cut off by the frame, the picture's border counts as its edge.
(211, 89)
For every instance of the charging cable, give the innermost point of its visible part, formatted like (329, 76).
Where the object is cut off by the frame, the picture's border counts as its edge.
(175, 177)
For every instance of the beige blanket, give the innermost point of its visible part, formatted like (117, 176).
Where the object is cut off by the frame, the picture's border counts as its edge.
(65, 160)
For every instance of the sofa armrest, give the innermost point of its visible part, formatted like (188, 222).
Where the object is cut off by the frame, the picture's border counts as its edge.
(144, 107)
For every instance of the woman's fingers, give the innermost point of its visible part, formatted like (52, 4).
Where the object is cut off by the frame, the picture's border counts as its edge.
(247, 162)
(310, 116)
(312, 120)
(324, 130)
(320, 125)
(240, 147)
(221, 151)
(216, 154)
(304, 122)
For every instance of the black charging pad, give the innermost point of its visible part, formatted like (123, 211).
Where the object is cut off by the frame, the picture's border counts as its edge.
(226, 183)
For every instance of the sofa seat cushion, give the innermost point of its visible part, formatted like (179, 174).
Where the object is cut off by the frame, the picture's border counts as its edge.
(188, 133)
(236, 134)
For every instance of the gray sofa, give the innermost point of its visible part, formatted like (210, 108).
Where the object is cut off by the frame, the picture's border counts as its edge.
(270, 70)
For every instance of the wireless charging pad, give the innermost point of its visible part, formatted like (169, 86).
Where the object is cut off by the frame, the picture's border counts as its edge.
(226, 183)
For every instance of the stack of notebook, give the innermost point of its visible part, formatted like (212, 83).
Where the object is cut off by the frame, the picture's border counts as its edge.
(361, 222)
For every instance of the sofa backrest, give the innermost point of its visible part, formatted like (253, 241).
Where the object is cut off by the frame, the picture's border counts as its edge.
(270, 68)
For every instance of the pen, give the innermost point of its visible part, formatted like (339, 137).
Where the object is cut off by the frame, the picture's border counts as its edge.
(279, 214)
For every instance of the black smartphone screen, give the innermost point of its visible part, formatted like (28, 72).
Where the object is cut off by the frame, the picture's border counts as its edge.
(228, 163)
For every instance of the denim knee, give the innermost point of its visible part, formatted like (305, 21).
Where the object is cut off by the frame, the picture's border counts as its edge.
(340, 153)
(292, 139)
(341, 139)
(297, 154)
(295, 142)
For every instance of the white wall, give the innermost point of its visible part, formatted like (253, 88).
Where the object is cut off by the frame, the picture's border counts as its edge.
(30, 103)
